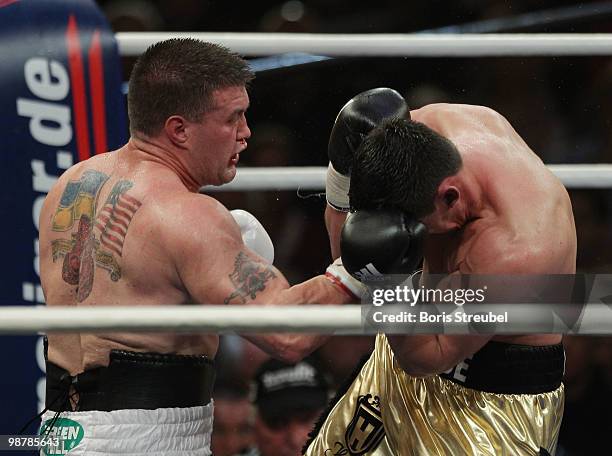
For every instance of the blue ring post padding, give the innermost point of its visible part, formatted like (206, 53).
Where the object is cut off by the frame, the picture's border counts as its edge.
(54, 110)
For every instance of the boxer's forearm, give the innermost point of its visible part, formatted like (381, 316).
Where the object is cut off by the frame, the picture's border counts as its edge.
(289, 348)
(293, 347)
(318, 290)
(433, 354)
(333, 222)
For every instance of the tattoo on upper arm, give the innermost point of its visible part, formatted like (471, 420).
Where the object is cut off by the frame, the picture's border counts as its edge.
(248, 277)
(98, 240)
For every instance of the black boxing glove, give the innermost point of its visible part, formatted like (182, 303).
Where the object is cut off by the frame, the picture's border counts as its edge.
(354, 121)
(381, 242)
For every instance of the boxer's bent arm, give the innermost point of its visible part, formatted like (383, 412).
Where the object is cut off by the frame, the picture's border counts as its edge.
(433, 354)
(293, 347)
(216, 267)
(493, 254)
(334, 220)
(436, 353)
(265, 285)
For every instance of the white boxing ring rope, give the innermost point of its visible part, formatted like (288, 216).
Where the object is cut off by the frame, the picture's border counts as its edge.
(326, 319)
(387, 45)
(195, 318)
(313, 177)
(311, 319)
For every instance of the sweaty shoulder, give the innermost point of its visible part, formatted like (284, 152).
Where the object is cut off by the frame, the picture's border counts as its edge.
(445, 118)
(194, 220)
(498, 250)
(188, 208)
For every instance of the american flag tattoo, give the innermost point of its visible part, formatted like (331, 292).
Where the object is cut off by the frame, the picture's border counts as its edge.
(115, 217)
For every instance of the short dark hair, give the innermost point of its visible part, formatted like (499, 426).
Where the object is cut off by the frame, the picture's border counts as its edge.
(177, 77)
(400, 165)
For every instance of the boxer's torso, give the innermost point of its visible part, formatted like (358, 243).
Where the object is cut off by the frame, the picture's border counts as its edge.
(528, 210)
(108, 223)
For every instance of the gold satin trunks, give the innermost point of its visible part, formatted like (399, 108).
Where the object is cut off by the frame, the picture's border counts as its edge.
(387, 412)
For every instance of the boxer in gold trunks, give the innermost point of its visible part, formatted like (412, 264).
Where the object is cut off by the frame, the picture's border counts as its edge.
(490, 206)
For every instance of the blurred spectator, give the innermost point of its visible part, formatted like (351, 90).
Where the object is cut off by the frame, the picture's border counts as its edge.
(592, 229)
(184, 15)
(341, 354)
(237, 358)
(290, 16)
(592, 127)
(425, 94)
(586, 422)
(133, 16)
(541, 124)
(271, 144)
(233, 422)
(288, 400)
(284, 215)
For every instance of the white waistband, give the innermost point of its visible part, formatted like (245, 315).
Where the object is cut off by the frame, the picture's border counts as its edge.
(166, 431)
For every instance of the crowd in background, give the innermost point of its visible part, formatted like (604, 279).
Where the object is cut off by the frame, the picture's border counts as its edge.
(561, 106)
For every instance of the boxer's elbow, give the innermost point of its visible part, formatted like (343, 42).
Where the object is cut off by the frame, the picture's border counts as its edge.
(419, 360)
(279, 346)
(291, 348)
(420, 368)
(288, 354)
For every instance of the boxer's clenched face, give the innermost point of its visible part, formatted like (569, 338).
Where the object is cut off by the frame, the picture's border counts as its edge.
(448, 214)
(287, 436)
(434, 223)
(222, 135)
